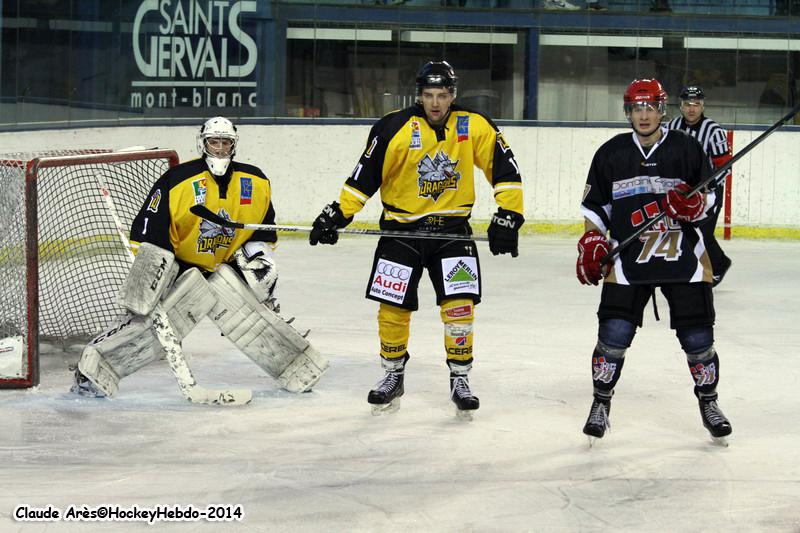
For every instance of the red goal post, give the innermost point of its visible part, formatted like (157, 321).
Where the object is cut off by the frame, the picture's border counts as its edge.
(61, 261)
(726, 221)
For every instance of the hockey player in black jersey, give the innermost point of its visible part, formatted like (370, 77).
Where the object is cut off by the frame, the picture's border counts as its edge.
(422, 160)
(632, 178)
(714, 141)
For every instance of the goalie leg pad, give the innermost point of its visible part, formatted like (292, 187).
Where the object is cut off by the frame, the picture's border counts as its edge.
(121, 350)
(152, 272)
(263, 336)
(98, 371)
(189, 300)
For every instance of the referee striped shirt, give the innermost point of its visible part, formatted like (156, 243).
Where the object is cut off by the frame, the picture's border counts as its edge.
(708, 133)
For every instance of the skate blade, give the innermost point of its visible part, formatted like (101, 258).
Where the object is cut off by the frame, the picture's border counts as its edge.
(720, 441)
(386, 408)
(593, 440)
(464, 415)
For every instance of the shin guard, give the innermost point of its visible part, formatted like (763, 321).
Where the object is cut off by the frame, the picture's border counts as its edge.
(458, 316)
(704, 367)
(393, 330)
(607, 364)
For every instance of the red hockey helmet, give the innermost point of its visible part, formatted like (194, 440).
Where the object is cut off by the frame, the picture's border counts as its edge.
(645, 91)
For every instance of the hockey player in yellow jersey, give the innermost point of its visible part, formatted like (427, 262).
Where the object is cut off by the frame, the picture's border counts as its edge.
(197, 268)
(230, 188)
(422, 160)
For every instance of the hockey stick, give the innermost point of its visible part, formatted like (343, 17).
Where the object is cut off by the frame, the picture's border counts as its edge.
(714, 177)
(169, 342)
(205, 213)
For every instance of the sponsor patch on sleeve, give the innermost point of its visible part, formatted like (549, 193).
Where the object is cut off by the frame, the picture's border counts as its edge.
(246, 186)
(199, 189)
(154, 201)
(462, 128)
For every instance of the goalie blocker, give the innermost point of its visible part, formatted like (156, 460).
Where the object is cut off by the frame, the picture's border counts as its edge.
(130, 343)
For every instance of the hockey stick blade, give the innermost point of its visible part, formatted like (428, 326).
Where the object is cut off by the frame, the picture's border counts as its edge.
(229, 397)
(183, 373)
(205, 213)
(714, 177)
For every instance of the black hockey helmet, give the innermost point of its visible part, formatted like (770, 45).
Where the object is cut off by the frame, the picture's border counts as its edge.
(437, 74)
(692, 92)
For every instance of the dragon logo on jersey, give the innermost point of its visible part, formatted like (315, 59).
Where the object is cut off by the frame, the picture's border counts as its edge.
(437, 175)
(213, 236)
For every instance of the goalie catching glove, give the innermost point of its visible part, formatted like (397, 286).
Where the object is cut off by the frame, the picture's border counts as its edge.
(682, 206)
(592, 247)
(326, 224)
(504, 232)
(257, 265)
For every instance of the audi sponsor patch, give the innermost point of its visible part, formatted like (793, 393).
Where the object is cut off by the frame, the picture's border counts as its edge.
(460, 275)
(390, 281)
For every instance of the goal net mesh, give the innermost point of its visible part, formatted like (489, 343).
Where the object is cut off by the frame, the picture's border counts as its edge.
(81, 259)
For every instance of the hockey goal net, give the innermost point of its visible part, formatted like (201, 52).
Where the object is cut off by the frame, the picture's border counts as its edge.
(61, 260)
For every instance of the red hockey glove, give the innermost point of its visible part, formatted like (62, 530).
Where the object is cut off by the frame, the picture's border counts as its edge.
(592, 247)
(684, 208)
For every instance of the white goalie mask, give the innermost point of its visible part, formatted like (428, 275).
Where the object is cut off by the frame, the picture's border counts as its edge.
(216, 143)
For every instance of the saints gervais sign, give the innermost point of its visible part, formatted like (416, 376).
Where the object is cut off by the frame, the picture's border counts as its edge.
(193, 53)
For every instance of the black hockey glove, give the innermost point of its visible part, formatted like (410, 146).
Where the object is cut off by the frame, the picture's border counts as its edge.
(504, 232)
(326, 224)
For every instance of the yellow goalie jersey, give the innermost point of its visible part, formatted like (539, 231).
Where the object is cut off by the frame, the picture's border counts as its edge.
(426, 174)
(243, 195)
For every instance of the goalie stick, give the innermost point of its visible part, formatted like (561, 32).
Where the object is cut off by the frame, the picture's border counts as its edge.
(714, 177)
(169, 342)
(205, 213)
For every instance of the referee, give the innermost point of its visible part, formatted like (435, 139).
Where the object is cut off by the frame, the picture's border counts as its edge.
(714, 141)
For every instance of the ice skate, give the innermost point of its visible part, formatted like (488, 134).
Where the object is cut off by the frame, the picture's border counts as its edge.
(715, 421)
(462, 396)
(385, 397)
(598, 421)
(83, 387)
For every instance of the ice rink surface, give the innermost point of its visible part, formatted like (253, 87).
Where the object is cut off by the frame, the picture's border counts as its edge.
(321, 462)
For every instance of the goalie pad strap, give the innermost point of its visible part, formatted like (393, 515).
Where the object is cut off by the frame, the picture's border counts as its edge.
(189, 300)
(263, 336)
(152, 272)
